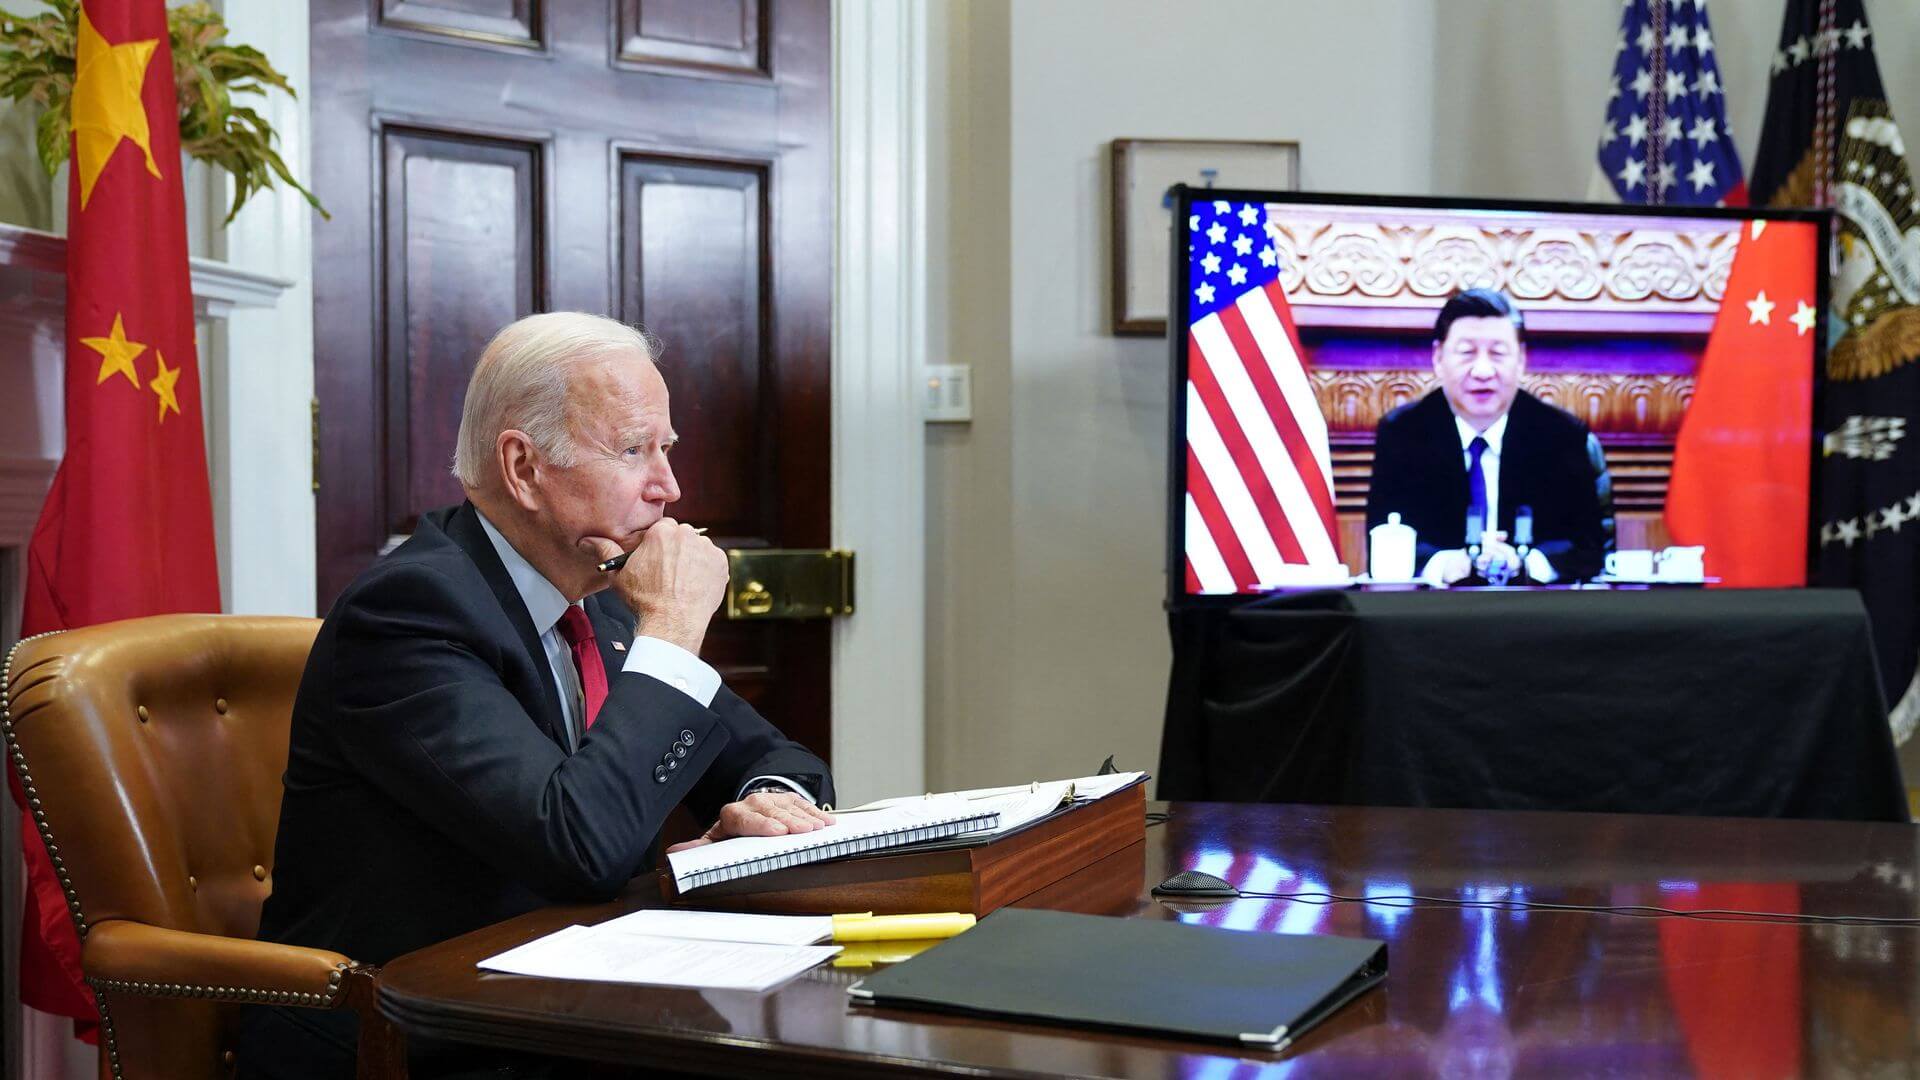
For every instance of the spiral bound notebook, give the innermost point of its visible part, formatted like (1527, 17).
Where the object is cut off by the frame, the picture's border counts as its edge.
(853, 833)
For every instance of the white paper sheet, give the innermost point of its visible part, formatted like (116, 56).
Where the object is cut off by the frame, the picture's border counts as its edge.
(723, 926)
(591, 954)
(1085, 789)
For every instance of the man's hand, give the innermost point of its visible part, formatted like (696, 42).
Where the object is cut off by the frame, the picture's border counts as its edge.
(673, 581)
(1496, 552)
(1450, 567)
(763, 813)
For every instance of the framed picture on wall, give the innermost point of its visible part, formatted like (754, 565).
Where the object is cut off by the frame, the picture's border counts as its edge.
(1143, 170)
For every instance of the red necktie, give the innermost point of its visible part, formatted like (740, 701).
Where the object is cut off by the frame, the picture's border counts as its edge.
(578, 631)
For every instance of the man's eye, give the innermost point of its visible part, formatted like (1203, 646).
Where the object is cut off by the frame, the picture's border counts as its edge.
(631, 451)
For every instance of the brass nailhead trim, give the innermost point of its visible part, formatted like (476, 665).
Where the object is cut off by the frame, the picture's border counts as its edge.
(193, 883)
(242, 995)
(259, 873)
(220, 706)
(142, 711)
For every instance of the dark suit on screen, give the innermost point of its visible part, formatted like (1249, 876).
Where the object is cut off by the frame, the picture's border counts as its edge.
(429, 788)
(1548, 461)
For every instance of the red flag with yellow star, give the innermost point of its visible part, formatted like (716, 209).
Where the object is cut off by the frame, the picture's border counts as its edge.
(1741, 462)
(127, 529)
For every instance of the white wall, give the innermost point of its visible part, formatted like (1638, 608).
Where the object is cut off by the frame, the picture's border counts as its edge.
(1518, 101)
(1047, 646)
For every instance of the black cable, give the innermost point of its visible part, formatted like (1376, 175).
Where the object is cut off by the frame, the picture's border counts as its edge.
(1158, 817)
(1636, 911)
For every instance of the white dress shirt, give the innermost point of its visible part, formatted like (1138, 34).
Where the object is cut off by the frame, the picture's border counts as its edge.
(1538, 567)
(651, 656)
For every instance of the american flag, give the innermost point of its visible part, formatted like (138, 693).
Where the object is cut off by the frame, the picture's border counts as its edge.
(1259, 477)
(1666, 139)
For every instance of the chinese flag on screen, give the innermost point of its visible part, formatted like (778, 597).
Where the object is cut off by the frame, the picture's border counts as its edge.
(128, 528)
(1741, 463)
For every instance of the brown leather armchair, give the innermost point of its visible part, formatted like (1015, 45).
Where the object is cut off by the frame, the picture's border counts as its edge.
(151, 752)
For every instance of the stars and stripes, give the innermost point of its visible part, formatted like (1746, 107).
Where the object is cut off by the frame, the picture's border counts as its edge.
(1665, 139)
(1259, 475)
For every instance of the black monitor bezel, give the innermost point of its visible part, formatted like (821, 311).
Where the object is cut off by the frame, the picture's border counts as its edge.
(1185, 196)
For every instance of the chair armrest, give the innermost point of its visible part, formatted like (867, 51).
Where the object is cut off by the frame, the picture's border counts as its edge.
(150, 961)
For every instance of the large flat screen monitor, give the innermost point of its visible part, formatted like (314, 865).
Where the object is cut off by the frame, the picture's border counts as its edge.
(1625, 393)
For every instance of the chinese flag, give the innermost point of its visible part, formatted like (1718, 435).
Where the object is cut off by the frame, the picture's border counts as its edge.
(1741, 463)
(127, 529)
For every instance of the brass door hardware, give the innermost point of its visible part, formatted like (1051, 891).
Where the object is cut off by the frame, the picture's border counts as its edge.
(789, 583)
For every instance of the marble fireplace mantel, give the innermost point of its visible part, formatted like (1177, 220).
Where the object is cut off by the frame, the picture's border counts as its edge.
(33, 266)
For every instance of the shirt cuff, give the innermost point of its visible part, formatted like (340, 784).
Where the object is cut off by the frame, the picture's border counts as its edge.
(781, 780)
(1539, 569)
(674, 666)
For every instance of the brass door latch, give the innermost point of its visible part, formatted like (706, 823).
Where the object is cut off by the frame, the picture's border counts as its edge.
(789, 583)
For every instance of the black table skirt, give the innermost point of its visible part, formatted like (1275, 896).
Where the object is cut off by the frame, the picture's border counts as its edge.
(1747, 703)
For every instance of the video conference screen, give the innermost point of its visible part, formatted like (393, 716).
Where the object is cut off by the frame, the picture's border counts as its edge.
(1450, 394)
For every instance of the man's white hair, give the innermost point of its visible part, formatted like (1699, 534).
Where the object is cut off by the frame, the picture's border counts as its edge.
(521, 383)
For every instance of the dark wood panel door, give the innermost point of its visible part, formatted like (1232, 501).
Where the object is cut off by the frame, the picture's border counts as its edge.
(663, 161)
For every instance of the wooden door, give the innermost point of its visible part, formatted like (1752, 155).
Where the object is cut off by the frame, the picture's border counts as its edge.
(663, 161)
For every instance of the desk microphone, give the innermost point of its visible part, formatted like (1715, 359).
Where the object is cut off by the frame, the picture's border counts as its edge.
(1476, 525)
(1522, 539)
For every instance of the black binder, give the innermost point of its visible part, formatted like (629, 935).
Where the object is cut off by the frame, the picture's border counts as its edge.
(1250, 988)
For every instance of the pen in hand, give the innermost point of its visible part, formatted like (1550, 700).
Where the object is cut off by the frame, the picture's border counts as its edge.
(620, 560)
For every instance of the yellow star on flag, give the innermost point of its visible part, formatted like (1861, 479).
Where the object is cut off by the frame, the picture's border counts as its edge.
(106, 101)
(116, 353)
(162, 385)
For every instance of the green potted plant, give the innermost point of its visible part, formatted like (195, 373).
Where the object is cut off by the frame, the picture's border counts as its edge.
(37, 64)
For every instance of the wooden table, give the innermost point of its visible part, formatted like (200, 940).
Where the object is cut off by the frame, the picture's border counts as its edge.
(1470, 991)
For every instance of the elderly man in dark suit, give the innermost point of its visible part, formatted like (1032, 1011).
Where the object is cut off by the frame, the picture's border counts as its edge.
(1478, 444)
(488, 723)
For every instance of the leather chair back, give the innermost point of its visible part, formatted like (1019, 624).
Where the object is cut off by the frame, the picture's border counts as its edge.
(156, 747)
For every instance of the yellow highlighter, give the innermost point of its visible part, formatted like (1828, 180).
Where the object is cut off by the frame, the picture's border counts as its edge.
(866, 926)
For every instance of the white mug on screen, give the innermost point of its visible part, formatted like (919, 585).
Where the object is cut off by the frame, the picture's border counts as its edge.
(1632, 564)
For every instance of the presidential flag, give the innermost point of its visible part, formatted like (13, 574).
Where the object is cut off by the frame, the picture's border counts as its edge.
(1830, 141)
(1259, 475)
(1665, 139)
(127, 529)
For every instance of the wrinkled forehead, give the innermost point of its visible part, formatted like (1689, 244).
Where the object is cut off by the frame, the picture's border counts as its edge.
(621, 393)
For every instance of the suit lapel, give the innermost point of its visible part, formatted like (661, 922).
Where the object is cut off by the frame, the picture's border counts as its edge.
(612, 632)
(1453, 466)
(463, 526)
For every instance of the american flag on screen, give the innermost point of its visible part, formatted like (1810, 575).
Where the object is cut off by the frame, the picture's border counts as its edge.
(1259, 477)
(1665, 138)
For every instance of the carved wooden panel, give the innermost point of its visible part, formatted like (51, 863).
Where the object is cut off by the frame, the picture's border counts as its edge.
(494, 22)
(1415, 256)
(461, 254)
(693, 269)
(1609, 403)
(723, 36)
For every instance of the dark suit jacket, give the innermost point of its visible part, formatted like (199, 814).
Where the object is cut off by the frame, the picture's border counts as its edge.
(1545, 463)
(429, 791)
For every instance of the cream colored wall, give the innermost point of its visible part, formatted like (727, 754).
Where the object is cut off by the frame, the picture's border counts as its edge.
(1047, 649)
(1047, 646)
(1517, 101)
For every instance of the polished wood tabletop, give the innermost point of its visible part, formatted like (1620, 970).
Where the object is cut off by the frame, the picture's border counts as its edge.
(1470, 991)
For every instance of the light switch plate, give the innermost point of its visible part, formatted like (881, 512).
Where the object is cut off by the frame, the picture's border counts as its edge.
(949, 393)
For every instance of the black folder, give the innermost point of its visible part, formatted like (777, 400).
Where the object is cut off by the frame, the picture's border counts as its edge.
(1238, 986)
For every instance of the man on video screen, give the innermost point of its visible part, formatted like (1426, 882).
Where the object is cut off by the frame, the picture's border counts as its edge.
(1481, 446)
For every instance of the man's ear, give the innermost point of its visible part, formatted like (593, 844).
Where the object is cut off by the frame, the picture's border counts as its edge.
(1436, 359)
(517, 462)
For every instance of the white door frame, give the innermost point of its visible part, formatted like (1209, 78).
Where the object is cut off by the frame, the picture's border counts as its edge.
(880, 120)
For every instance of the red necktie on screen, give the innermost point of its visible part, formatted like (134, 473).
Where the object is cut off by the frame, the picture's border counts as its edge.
(575, 627)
